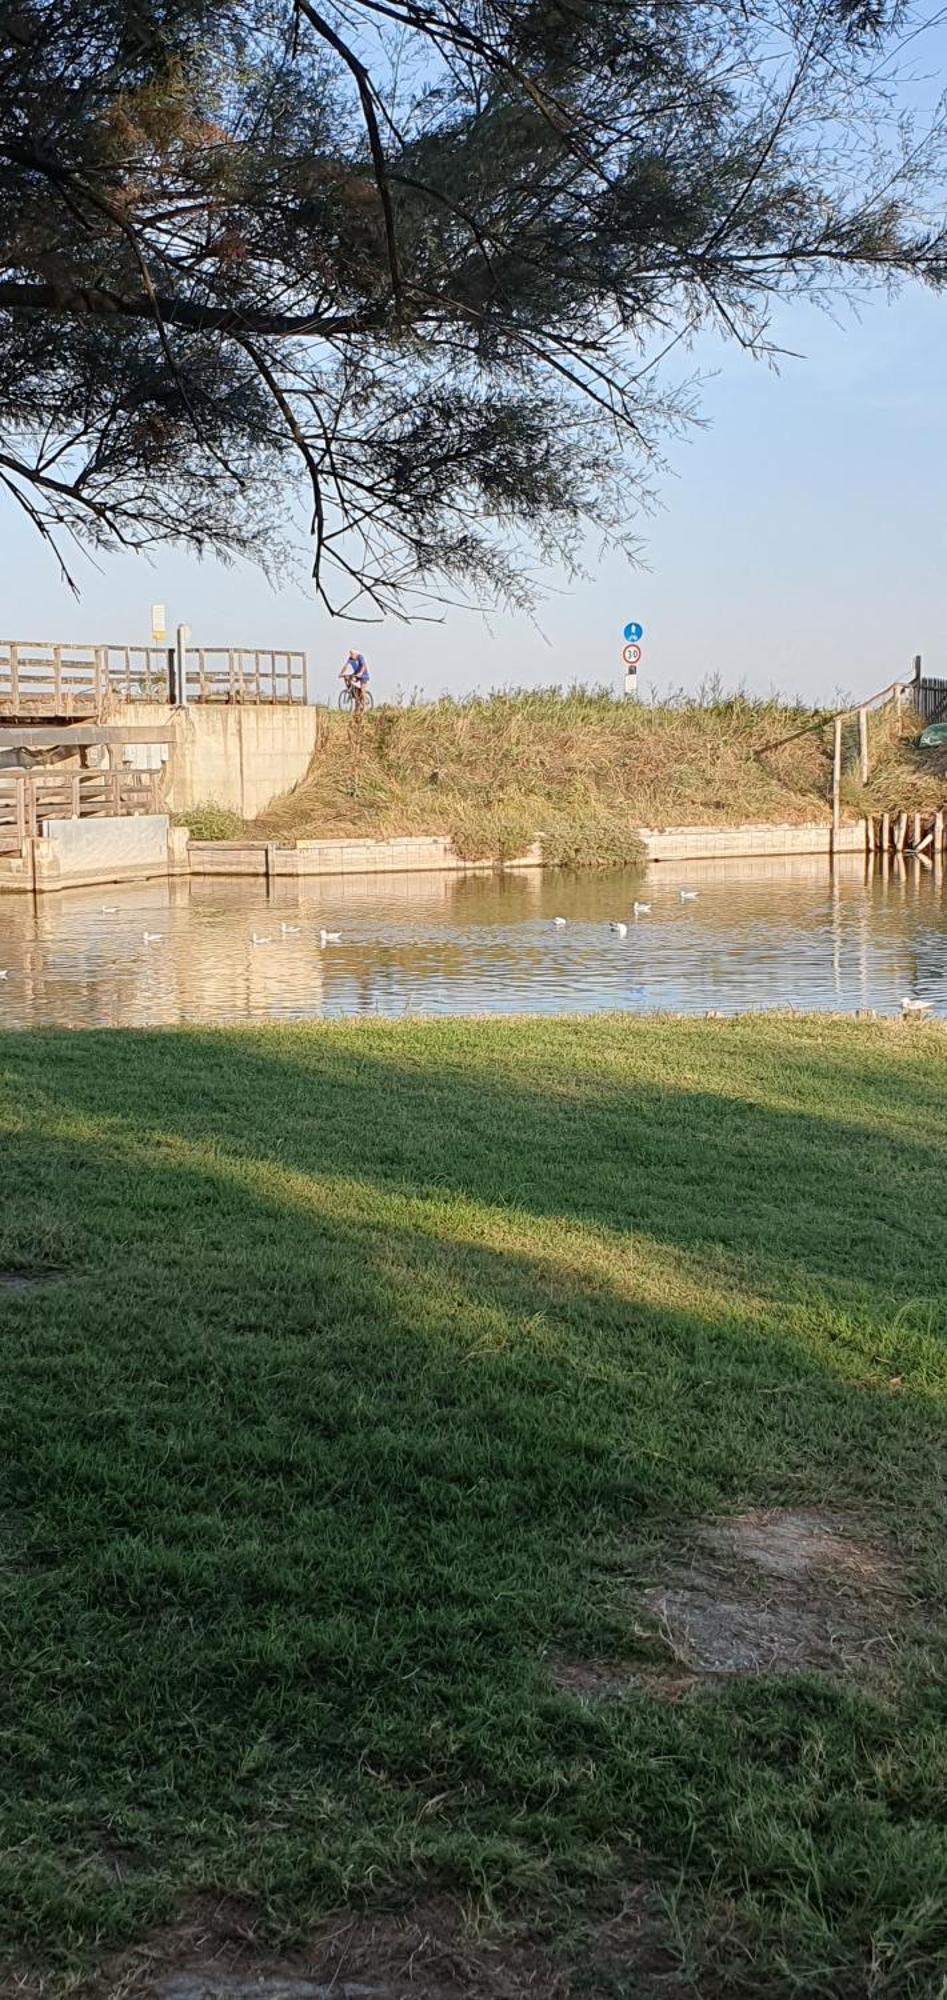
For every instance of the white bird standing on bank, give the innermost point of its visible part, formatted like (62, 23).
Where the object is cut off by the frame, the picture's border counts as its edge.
(688, 895)
(330, 937)
(559, 923)
(909, 1006)
(642, 909)
(620, 930)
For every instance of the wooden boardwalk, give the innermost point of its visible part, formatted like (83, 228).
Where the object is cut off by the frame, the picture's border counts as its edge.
(39, 678)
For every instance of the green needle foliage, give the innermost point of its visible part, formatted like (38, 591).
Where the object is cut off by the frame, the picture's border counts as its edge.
(423, 258)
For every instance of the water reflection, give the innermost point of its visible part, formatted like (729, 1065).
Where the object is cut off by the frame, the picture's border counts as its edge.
(761, 934)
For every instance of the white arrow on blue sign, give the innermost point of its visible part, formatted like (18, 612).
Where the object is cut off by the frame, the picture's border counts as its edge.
(633, 633)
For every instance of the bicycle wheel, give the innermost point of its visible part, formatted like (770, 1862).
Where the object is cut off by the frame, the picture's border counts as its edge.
(367, 701)
(346, 699)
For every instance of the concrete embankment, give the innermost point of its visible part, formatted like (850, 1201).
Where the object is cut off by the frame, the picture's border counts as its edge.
(76, 853)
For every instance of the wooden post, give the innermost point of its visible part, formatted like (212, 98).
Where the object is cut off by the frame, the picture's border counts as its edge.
(885, 832)
(938, 832)
(75, 797)
(869, 835)
(900, 830)
(898, 694)
(863, 743)
(916, 831)
(836, 784)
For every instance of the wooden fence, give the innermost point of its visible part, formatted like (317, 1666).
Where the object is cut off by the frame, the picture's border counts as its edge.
(39, 678)
(29, 798)
(931, 699)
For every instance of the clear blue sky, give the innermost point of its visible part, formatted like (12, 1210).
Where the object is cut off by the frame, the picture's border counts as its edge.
(802, 545)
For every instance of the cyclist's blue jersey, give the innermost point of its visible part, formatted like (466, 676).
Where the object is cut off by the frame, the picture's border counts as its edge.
(359, 670)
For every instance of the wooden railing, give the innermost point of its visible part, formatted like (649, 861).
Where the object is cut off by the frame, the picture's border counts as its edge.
(29, 798)
(241, 674)
(37, 677)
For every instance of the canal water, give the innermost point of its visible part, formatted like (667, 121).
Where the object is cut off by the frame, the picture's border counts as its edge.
(758, 935)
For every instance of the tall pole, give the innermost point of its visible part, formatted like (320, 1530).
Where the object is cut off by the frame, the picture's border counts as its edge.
(863, 743)
(836, 784)
(180, 663)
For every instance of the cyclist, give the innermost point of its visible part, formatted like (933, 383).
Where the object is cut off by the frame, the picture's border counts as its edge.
(356, 676)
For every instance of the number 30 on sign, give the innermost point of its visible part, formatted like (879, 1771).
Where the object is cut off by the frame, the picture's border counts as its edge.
(631, 656)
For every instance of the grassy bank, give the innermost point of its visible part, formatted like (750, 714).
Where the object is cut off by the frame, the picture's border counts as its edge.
(584, 771)
(360, 1388)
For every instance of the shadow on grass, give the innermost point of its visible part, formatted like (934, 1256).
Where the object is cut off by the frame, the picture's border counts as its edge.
(372, 1342)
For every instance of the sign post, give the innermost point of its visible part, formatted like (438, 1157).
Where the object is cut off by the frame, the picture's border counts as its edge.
(631, 659)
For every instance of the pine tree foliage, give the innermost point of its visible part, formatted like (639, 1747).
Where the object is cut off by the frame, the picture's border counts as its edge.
(435, 259)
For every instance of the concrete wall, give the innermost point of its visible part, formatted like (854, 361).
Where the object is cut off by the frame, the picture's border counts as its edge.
(719, 843)
(238, 757)
(76, 851)
(342, 857)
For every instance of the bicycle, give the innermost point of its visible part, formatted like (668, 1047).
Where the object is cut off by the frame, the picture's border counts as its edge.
(355, 699)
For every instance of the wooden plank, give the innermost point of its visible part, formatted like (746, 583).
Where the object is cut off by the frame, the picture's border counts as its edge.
(885, 832)
(915, 831)
(80, 735)
(870, 835)
(938, 832)
(900, 830)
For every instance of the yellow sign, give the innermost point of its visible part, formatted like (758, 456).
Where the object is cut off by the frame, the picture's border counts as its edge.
(158, 633)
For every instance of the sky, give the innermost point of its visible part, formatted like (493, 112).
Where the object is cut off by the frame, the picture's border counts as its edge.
(800, 545)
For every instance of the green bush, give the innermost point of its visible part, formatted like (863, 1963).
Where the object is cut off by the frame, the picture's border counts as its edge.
(212, 822)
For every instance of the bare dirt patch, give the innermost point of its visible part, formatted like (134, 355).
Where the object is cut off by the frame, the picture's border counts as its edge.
(432, 1952)
(26, 1281)
(774, 1592)
(425, 1954)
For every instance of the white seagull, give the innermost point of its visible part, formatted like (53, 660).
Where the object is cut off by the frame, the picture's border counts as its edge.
(290, 930)
(916, 1006)
(688, 895)
(330, 937)
(642, 909)
(3, 975)
(108, 909)
(559, 923)
(151, 937)
(257, 939)
(620, 930)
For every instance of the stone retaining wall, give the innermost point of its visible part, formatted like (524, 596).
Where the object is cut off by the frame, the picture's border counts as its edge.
(720, 843)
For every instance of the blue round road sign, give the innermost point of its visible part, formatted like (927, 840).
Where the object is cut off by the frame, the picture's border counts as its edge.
(633, 633)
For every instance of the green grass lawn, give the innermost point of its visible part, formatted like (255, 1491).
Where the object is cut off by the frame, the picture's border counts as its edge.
(381, 1367)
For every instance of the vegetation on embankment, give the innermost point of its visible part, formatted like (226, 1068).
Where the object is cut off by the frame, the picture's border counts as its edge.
(583, 771)
(357, 1383)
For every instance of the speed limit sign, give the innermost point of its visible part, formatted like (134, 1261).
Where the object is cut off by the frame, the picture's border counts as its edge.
(631, 655)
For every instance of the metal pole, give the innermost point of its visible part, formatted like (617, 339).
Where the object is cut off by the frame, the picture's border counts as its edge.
(183, 640)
